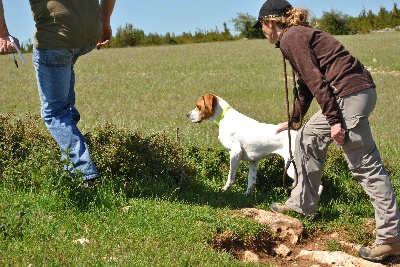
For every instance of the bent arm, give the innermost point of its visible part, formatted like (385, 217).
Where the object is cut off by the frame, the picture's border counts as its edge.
(3, 26)
(5, 44)
(107, 7)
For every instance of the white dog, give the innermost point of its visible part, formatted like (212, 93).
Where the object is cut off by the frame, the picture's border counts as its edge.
(244, 138)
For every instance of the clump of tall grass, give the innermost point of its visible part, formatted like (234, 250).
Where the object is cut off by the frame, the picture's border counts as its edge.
(136, 164)
(29, 158)
(25, 150)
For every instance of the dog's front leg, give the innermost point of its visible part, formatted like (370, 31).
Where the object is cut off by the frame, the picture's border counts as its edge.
(251, 179)
(234, 157)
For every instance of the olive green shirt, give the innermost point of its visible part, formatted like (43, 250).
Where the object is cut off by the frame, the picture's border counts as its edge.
(66, 24)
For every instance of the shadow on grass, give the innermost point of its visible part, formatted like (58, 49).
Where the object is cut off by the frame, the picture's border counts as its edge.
(341, 194)
(134, 165)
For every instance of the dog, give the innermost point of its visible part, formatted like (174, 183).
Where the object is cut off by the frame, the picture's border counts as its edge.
(243, 137)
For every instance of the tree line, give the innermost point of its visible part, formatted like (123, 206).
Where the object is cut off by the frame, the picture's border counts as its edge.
(337, 23)
(333, 22)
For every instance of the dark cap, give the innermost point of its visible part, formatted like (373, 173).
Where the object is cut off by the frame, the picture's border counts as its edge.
(272, 8)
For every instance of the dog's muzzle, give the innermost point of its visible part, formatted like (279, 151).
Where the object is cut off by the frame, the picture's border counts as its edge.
(190, 117)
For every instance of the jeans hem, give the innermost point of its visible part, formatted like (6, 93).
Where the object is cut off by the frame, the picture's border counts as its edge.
(90, 177)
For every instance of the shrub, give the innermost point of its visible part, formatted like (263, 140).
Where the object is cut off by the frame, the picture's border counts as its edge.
(30, 159)
(25, 147)
(135, 164)
(135, 160)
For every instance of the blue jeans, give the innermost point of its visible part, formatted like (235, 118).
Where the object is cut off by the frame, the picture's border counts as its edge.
(56, 80)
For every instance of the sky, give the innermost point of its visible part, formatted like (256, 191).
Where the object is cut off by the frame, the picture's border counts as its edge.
(178, 16)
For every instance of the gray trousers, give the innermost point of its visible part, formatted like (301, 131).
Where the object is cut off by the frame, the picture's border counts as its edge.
(363, 159)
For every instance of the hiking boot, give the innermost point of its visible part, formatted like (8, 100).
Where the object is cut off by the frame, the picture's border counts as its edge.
(379, 252)
(280, 208)
(283, 208)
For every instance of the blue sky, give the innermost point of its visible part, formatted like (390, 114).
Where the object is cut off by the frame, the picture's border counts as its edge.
(177, 16)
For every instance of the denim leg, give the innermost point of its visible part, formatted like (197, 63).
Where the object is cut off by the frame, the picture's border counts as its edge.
(76, 53)
(55, 78)
(76, 116)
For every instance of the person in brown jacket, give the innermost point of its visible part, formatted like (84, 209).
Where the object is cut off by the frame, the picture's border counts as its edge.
(346, 94)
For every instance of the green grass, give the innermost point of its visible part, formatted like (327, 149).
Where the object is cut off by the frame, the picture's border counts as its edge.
(150, 233)
(151, 89)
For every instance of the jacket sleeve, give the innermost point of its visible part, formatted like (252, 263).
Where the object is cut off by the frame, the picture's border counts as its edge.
(303, 60)
(302, 104)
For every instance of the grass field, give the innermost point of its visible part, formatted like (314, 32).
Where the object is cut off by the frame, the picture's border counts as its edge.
(151, 89)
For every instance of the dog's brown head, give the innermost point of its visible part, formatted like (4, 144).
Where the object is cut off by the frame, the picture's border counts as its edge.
(205, 108)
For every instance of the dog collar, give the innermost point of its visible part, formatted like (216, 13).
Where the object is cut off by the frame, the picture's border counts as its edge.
(222, 115)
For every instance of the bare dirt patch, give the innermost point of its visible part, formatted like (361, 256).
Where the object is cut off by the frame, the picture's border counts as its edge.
(278, 249)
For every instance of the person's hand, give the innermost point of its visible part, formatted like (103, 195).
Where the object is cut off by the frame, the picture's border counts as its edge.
(106, 36)
(6, 47)
(282, 126)
(338, 134)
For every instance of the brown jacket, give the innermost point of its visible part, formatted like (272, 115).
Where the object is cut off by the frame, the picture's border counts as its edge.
(326, 70)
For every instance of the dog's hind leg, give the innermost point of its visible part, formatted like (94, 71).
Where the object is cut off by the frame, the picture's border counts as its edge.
(251, 179)
(234, 157)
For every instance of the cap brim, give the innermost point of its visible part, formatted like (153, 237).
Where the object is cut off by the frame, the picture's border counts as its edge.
(257, 24)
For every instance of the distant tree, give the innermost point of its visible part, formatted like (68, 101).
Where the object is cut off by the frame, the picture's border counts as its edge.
(334, 22)
(27, 47)
(382, 20)
(242, 24)
(226, 30)
(154, 39)
(371, 20)
(362, 25)
(170, 39)
(353, 23)
(126, 36)
(394, 16)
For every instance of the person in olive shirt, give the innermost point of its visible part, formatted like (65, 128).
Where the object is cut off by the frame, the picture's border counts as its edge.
(346, 94)
(65, 30)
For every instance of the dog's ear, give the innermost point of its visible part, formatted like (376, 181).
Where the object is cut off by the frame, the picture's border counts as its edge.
(209, 103)
(214, 103)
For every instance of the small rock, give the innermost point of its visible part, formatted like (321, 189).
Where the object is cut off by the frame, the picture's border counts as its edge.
(336, 259)
(282, 250)
(281, 224)
(250, 257)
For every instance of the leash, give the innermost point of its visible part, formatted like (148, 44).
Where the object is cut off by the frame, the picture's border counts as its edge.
(290, 125)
